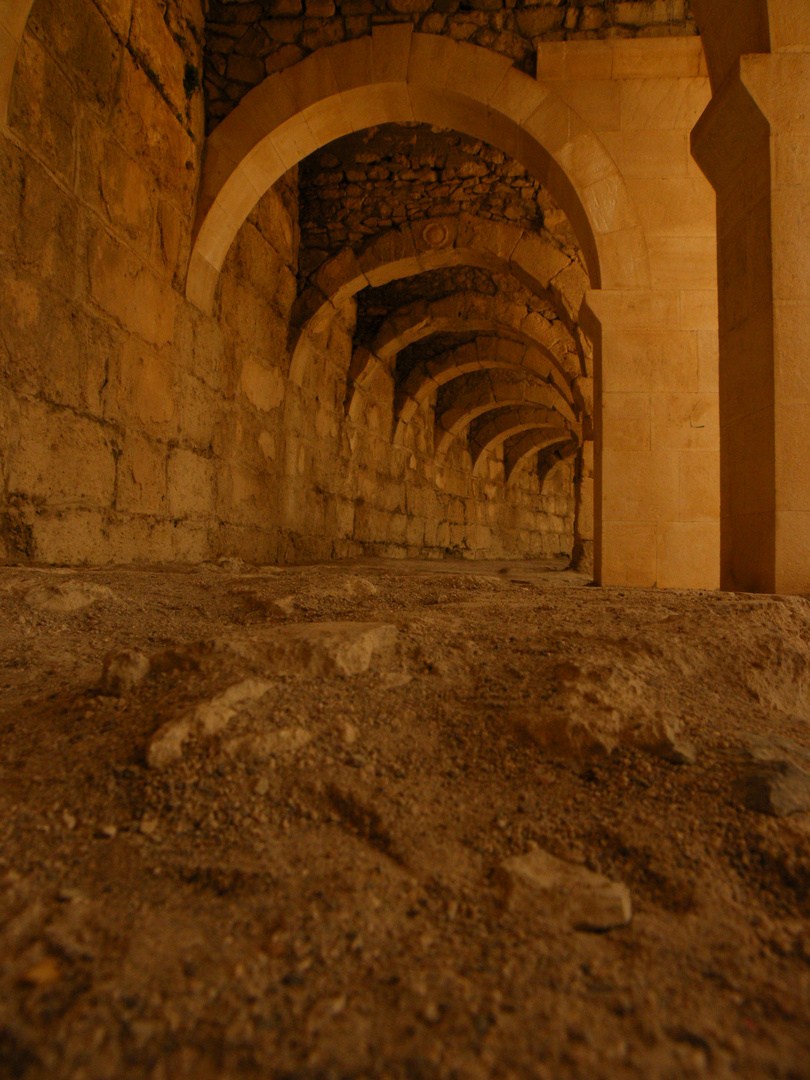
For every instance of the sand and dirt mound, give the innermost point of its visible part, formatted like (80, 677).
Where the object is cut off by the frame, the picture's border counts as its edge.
(404, 822)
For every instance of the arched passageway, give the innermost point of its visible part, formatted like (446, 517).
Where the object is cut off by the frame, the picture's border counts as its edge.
(643, 309)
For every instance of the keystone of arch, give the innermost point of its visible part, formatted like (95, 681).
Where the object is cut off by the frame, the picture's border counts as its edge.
(557, 446)
(432, 244)
(394, 75)
(519, 409)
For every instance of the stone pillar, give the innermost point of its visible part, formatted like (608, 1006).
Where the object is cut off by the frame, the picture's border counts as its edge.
(656, 485)
(753, 144)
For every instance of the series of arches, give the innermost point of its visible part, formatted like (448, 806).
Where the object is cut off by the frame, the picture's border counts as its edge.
(396, 75)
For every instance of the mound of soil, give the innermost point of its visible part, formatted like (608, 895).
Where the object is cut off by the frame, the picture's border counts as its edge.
(415, 821)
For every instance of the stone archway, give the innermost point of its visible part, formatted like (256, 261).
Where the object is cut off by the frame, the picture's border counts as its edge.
(483, 354)
(543, 407)
(395, 75)
(532, 444)
(429, 245)
(462, 313)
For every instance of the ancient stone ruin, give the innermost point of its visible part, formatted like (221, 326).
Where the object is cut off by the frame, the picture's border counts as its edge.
(342, 344)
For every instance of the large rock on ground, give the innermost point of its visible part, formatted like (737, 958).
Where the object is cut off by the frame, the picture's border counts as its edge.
(564, 891)
(775, 778)
(209, 718)
(310, 650)
(599, 707)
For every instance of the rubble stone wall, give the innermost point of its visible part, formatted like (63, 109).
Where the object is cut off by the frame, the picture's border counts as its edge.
(254, 38)
(134, 428)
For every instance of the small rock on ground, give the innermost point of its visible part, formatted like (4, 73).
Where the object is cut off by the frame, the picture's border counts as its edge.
(565, 891)
(123, 671)
(66, 596)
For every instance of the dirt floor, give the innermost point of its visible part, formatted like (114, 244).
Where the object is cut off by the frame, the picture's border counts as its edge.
(306, 823)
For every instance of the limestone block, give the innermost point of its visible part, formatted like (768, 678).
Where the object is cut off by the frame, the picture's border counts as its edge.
(129, 291)
(685, 422)
(640, 486)
(61, 459)
(172, 241)
(683, 262)
(669, 104)
(191, 482)
(791, 328)
(415, 531)
(142, 387)
(550, 126)
(9, 45)
(626, 421)
(69, 536)
(649, 155)
(596, 101)
(628, 553)
(42, 107)
(118, 14)
(141, 476)
(391, 48)
(607, 204)
(351, 63)
(263, 387)
(792, 422)
(624, 260)
(39, 325)
(585, 516)
(43, 225)
(146, 126)
(154, 45)
(657, 58)
(475, 73)
(140, 539)
(708, 360)
(517, 98)
(636, 360)
(541, 262)
(699, 486)
(689, 555)
(242, 495)
(114, 184)
(698, 309)
(675, 207)
(570, 60)
(397, 528)
(345, 518)
(458, 536)
(83, 42)
(276, 225)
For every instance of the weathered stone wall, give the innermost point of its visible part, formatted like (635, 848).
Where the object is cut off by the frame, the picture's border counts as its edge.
(121, 407)
(249, 39)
